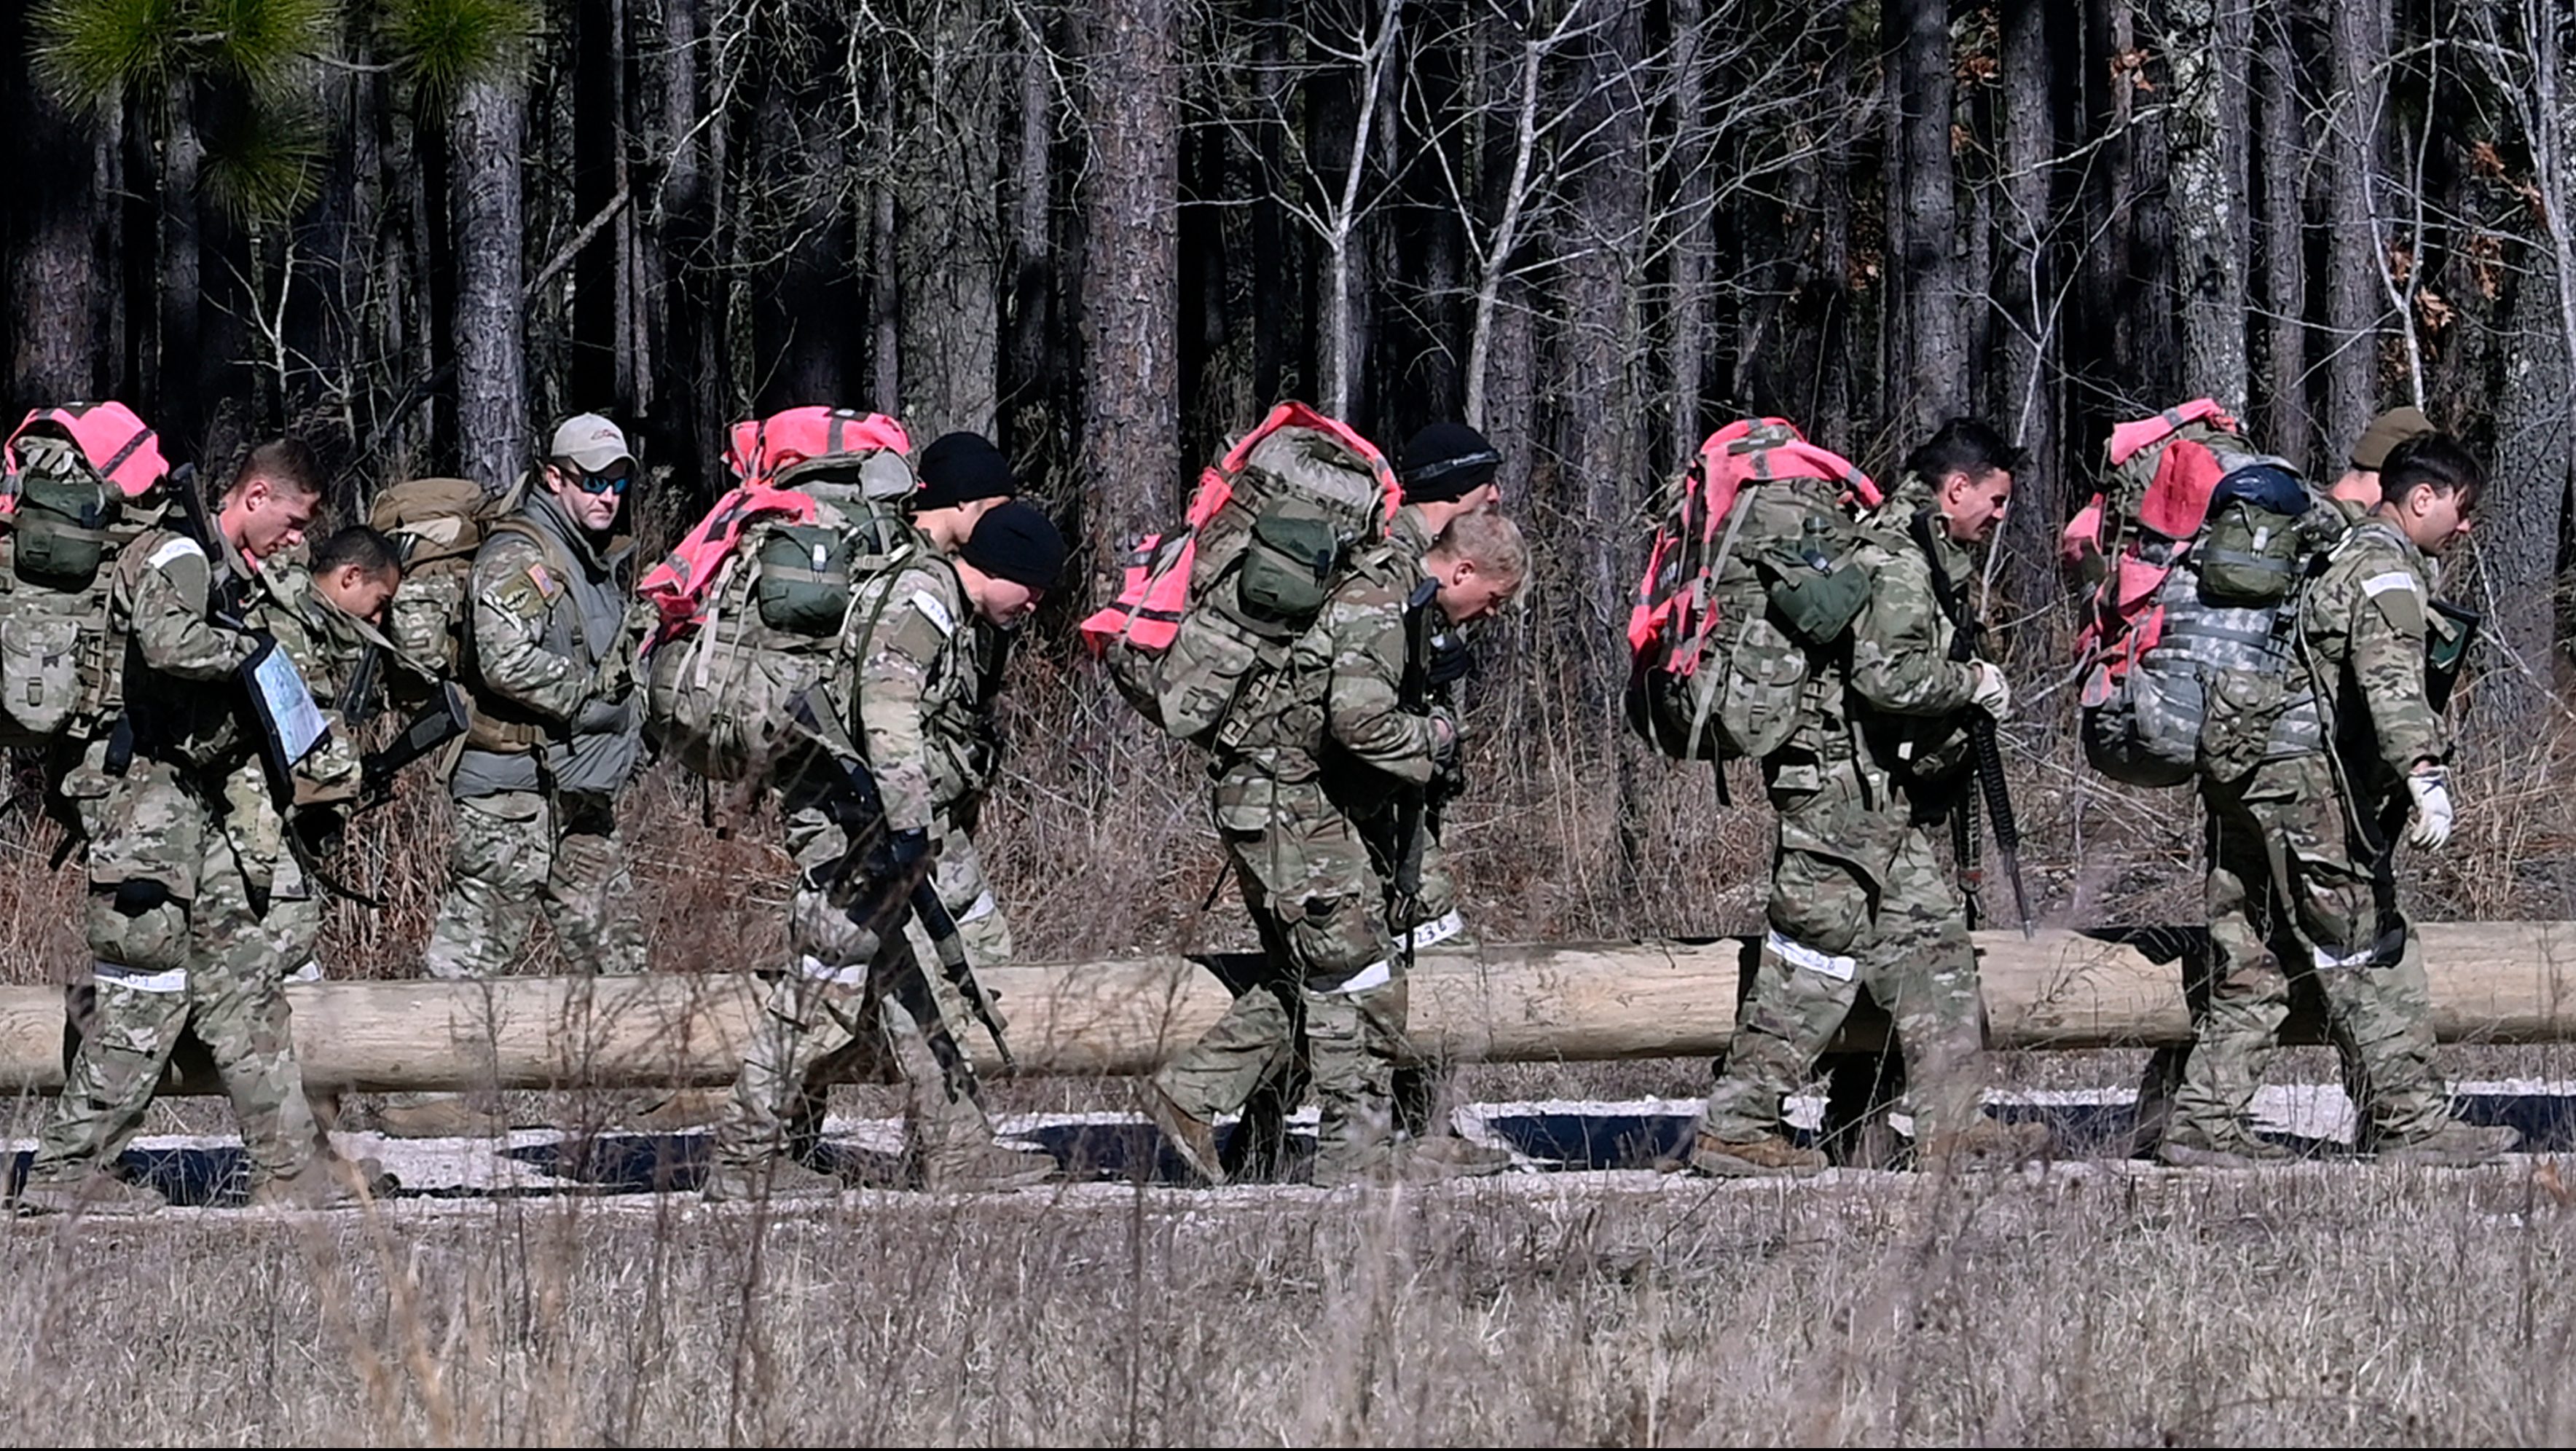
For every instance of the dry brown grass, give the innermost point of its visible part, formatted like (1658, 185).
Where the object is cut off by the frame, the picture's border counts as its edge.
(2319, 1306)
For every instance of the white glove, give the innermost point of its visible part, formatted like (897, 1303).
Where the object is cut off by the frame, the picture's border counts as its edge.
(1992, 693)
(2431, 788)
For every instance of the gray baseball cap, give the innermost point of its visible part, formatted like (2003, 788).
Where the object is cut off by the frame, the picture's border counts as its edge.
(590, 441)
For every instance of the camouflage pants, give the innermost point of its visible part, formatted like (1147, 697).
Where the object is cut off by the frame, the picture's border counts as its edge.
(519, 852)
(1859, 898)
(2287, 870)
(1318, 904)
(848, 996)
(178, 948)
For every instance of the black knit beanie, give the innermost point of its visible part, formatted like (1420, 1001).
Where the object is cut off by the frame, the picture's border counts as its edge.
(959, 468)
(1445, 462)
(1014, 541)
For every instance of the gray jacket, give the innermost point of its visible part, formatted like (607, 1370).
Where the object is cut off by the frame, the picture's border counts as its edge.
(552, 634)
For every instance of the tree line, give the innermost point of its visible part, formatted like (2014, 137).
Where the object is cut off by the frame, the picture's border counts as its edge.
(1109, 233)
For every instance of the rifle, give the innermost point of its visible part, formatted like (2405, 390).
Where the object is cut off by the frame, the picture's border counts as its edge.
(888, 891)
(1965, 632)
(428, 734)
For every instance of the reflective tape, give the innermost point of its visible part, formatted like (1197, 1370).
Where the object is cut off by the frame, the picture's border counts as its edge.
(815, 969)
(117, 974)
(1376, 974)
(311, 971)
(982, 906)
(1822, 964)
(2328, 962)
(2380, 584)
(934, 611)
(177, 546)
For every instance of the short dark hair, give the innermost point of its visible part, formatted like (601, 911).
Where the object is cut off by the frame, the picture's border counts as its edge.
(1968, 446)
(2436, 461)
(371, 550)
(288, 464)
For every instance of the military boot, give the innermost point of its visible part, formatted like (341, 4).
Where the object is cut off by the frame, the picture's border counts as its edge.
(1191, 1137)
(1451, 1156)
(442, 1116)
(2454, 1145)
(987, 1167)
(1985, 1143)
(326, 1182)
(1768, 1156)
(775, 1178)
(2190, 1146)
(87, 1192)
(670, 1113)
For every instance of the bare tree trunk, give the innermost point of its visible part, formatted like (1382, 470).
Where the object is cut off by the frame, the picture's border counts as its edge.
(1032, 309)
(1694, 211)
(2205, 49)
(2517, 545)
(2357, 49)
(2026, 392)
(1131, 461)
(2288, 427)
(598, 56)
(688, 412)
(1934, 369)
(487, 130)
(886, 305)
(178, 406)
(950, 243)
(55, 281)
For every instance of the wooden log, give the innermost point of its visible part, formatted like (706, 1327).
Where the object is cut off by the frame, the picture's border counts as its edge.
(2492, 982)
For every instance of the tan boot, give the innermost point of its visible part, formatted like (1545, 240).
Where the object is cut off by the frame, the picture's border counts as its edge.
(1769, 1156)
(686, 1108)
(2189, 1146)
(87, 1191)
(1191, 1137)
(777, 1178)
(443, 1116)
(1984, 1143)
(327, 1182)
(2455, 1145)
(1449, 1156)
(985, 1168)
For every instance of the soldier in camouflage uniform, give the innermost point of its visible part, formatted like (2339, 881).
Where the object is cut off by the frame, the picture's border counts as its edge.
(1328, 745)
(1859, 894)
(554, 634)
(908, 713)
(181, 873)
(2302, 847)
(1248, 1061)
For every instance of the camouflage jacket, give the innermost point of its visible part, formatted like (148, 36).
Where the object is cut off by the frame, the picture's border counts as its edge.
(1911, 696)
(180, 665)
(915, 701)
(554, 628)
(326, 646)
(2362, 631)
(1335, 714)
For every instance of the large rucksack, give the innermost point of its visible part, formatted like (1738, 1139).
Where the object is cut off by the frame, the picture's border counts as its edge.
(2191, 562)
(1271, 532)
(77, 483)
(438, 524)
(752, 603)
(1751, 577)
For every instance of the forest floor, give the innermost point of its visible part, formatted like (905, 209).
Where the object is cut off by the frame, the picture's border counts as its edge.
(536, 1289)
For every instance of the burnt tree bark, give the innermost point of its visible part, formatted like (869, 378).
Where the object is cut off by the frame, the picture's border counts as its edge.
(1131, 461)
(2357, 47)
(2289, 426)
(2206, 47)
(55, 282)
(1933, 368)
(486, 128)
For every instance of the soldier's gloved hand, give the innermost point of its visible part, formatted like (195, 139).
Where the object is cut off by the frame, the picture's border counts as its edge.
(2431, 788)
(605, 717)
(1992, 693)
(1444, 740)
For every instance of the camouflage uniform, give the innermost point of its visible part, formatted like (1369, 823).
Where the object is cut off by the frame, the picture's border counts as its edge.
(2300, 852)
(554, 633)
(1859, 894)
(922, 685)
(179, 877)
(1309, 761)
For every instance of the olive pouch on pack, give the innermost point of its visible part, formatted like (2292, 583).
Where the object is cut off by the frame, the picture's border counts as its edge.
(2251, 548)
(801, 583)
(75, 481)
